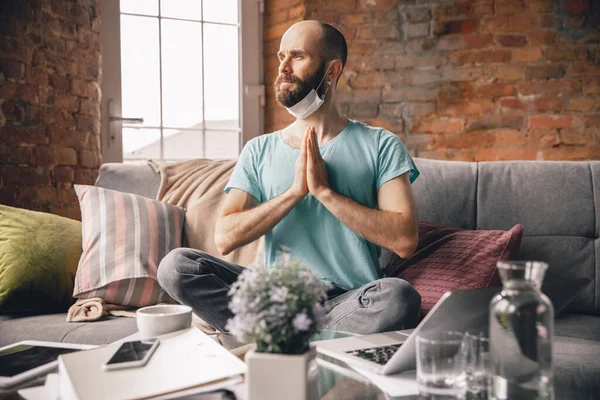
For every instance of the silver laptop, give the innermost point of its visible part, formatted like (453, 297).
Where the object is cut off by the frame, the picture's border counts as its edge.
(392, 352)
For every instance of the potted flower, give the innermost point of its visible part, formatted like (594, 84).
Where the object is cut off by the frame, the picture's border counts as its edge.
(279, 310)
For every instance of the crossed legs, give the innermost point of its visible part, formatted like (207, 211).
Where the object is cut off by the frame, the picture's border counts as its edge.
(202, 281)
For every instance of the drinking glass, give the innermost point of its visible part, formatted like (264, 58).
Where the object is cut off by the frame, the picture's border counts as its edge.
(477, 366)
(441, 361)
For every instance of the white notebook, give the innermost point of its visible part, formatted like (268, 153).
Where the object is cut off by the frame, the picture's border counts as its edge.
(186, 360)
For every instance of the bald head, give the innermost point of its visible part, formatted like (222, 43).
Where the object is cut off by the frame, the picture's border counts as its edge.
(324, 39)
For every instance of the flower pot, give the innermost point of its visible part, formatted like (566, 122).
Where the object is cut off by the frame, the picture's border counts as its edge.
(281, 376)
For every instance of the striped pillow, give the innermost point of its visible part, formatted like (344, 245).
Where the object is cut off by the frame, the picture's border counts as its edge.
(124, 238)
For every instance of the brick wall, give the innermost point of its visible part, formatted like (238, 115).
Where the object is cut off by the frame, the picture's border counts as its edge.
(279, 16)
(49, 102)
(463, 79)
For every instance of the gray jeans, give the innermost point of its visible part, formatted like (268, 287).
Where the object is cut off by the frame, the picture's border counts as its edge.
(202, 281)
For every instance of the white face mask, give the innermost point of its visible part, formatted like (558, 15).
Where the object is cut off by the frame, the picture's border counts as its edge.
(310, 103)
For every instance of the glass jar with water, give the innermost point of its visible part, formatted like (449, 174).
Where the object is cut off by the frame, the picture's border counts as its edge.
(521, 334)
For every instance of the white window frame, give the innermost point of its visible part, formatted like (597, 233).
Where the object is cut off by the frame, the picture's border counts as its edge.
(252, 95)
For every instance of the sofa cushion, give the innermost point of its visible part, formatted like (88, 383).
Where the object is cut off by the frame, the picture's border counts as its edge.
(452, 259)
(38, 259)
(142, 179)
(54, 328)
(124, 239)
(576, 368)
(557, 202)
(578, 326)
(568, 258)
(446, 193)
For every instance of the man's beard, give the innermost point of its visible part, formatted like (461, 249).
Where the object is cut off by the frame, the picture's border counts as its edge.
(290, 97)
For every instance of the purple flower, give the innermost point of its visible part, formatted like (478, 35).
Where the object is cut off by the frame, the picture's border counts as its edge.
(264, 301)
(302, 322)
(279, 294)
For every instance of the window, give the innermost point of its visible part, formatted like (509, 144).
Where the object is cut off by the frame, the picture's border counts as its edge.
(173, 83)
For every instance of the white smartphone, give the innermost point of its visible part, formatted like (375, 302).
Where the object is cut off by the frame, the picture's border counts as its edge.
(27, 360)
(132, 354)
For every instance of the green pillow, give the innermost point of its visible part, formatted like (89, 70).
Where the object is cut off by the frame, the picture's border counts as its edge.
(39, 253)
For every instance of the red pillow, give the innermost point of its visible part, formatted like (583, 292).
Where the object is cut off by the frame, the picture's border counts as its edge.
(453, 259)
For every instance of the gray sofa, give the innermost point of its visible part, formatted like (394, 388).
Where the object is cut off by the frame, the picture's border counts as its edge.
(557, 202)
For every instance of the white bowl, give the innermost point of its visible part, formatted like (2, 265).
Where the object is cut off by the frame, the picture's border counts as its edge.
(163, 318)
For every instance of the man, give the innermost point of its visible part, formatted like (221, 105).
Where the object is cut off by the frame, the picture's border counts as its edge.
(326, 189)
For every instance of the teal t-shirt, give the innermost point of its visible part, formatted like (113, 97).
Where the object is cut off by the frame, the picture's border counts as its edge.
(358, 160)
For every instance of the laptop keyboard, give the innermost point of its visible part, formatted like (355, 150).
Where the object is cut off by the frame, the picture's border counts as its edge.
(379, 355)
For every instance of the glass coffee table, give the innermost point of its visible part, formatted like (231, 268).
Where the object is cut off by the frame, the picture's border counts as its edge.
(336, 380)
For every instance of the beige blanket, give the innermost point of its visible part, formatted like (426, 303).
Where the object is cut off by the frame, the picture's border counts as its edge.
(93, 309)
(198, 186)
(89, 310)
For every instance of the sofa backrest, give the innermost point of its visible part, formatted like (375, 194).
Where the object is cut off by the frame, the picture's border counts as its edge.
(140, 179)
(556, 201)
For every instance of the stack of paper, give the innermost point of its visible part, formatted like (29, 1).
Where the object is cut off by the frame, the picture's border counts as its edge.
(185, 363)
(49, 391)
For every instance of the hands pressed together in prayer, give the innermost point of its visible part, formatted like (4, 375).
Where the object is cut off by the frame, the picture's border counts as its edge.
(310, 175)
